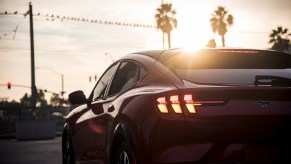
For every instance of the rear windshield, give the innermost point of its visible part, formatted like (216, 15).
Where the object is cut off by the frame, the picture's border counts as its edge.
(229, 67)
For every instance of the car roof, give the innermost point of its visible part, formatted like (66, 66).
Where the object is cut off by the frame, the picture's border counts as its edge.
(151, 53)
(161, 54)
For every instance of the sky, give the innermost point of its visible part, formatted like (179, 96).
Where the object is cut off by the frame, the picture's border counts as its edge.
(79, 49)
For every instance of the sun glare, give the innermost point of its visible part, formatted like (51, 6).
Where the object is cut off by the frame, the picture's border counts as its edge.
(193, 30)
(188, 40)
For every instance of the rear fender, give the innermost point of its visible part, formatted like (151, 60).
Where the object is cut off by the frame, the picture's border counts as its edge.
(122, 132)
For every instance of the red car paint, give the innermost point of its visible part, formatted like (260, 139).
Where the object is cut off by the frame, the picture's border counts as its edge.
(231, 123)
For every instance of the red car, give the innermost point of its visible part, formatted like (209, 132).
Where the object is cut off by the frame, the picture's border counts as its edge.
(175, 106)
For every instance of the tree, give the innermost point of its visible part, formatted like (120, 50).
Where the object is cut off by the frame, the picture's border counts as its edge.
(25, 100)
(220, 21)
(279, 39)
(40, 99)
(166, 21)
(56, 100)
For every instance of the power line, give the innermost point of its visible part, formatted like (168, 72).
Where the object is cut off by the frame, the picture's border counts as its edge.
(53, 17)
(14, 30)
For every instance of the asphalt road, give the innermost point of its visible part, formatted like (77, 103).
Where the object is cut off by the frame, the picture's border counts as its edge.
(31, 152)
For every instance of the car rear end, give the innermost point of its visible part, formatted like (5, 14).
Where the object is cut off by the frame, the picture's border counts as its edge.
(235, 106)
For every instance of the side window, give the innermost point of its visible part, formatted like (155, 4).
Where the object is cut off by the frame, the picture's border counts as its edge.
(125, 77)
(142, 73)
(103, 82)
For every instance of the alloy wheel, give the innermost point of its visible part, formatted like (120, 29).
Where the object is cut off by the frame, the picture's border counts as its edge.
(123, 158)
(67, 151)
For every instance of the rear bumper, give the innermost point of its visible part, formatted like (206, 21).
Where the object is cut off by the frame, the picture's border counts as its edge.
(184, 153)
(226, 153)
(164, 140)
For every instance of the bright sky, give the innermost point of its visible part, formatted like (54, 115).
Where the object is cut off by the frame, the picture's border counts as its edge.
(77, 49)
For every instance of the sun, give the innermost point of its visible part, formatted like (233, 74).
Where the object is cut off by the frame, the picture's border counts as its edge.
(193, 30)
(191, 36)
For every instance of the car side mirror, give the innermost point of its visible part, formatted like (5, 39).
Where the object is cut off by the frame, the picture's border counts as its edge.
(77, 97)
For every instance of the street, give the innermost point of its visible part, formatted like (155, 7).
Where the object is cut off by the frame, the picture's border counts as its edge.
(31, 152)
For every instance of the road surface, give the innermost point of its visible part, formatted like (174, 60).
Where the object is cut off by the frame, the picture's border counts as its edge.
(31, 152)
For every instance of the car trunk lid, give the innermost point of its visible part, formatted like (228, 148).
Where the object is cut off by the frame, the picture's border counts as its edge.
(242, 114)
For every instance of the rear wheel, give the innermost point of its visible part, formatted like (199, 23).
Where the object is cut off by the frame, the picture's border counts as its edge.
(124, 154)
(68, 154)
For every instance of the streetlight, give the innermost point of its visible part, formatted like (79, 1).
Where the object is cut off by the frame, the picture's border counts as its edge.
(62, 78)
(110, 56)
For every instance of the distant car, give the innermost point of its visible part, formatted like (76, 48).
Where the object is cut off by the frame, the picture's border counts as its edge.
(177, 106)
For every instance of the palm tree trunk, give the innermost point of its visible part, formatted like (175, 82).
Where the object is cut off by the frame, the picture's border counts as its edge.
(169, 39)
(163, 40)
(223, 40)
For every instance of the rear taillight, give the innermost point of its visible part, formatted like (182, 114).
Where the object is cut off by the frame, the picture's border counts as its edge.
(162, 105)
(177, 102)
(189, 102)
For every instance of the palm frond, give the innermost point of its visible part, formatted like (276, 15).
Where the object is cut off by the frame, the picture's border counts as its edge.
(220, 9)
(230, 19)
(285, 30)
(213, 19)
(272, 40)
(174, 12)
(280, 29)
(275, 32)
(272, 35)
(217, 12)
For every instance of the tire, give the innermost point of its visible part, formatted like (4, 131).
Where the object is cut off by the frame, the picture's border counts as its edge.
(124, 154)
(68, 153)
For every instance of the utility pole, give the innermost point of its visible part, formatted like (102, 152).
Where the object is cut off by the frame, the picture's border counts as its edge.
(62, 85)
(33, 87)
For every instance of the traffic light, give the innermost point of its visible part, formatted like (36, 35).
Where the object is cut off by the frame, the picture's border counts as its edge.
(9, 85)
(65, 100)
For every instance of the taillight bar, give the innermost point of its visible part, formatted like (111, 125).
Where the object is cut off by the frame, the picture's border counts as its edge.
(190, 104)
(173, 102)
(176, 104)
(162, 105)
(214, 102)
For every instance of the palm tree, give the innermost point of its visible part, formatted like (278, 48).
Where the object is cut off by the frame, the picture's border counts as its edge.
(279, 39)
(166, 21)
(220, 21)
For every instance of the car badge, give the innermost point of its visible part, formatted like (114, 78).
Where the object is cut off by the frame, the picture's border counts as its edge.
(265, 104)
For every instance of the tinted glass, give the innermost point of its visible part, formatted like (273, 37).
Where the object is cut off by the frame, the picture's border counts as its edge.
(103, 82)
(234, 67)
(125, 77)
(142, 73)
